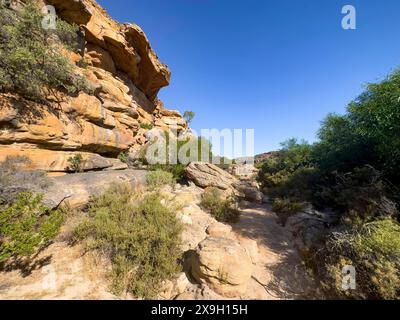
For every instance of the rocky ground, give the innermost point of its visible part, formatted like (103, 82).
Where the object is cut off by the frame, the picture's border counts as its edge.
(252, 259)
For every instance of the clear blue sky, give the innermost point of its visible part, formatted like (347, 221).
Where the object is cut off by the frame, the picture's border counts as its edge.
(278, 66)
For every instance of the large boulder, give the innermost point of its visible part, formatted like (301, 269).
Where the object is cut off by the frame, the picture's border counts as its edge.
(309, 226)
(218, 229)
(77, 189)
(207, 175)
(246, 171)
(249, 190)
(223, 264)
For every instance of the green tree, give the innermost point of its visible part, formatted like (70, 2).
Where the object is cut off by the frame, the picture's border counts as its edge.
(376, 117)
(189, 116)
(31, 58)
(340, 146)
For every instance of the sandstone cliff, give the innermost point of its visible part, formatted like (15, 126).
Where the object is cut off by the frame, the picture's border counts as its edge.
(126, 76)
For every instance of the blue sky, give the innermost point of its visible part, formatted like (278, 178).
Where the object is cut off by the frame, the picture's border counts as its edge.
(278, 66)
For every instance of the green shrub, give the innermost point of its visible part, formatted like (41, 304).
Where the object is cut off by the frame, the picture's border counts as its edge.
(75, 163)
(157, 179)
(177, 170)
(374, 251)
(31, 59)
(223, 209)
(278, 168)
(123, 157)
(26, 226)
(366, 134)
(141, 236)
(286, 207)
(147, 126)
(359, 194)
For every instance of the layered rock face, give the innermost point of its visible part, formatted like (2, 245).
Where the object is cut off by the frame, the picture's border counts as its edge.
(126, 76)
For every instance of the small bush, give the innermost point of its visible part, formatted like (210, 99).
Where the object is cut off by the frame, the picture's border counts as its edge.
(75, 163)
(374, 251)
(159, 178)
(223, 209)
(140, 235)
(177, 170)
(26, 226)
(286, 207)
(361, 193)
(146, 126)
(123, 157)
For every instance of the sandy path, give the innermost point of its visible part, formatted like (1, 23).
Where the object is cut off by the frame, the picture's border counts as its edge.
(279, 267)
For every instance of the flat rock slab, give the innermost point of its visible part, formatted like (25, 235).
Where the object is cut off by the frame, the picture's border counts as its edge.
(76, 189)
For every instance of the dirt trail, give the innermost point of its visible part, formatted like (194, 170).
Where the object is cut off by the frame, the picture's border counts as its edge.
(279, 267)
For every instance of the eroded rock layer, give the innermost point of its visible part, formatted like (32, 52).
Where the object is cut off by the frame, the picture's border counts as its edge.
(126, 76)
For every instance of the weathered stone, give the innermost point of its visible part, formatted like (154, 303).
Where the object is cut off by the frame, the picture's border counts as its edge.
(250, 190)
(196, 231)
(244, 170)
(54, 161)
(175, 287)
(251, 248)
(127, 45)
(224, 265)
(208, 175)
(100, 58)
(117, 165)
(218, 229)
(308, 227)
(76, 189)
(125, 75)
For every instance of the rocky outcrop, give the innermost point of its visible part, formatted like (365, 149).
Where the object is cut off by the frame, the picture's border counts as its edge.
(223, 264)
(246, 171)
(77, 189)
(125, 75)
(58, 161)
(218, 229)
(116, 46)
(309, 226)
(249, 190)
(207, 175)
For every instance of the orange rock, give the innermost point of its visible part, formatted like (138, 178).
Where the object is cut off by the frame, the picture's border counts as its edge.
(52, 161)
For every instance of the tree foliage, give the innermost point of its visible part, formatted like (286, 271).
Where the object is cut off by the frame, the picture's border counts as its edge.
(189, 116)
(26, 226)
(32, 59)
